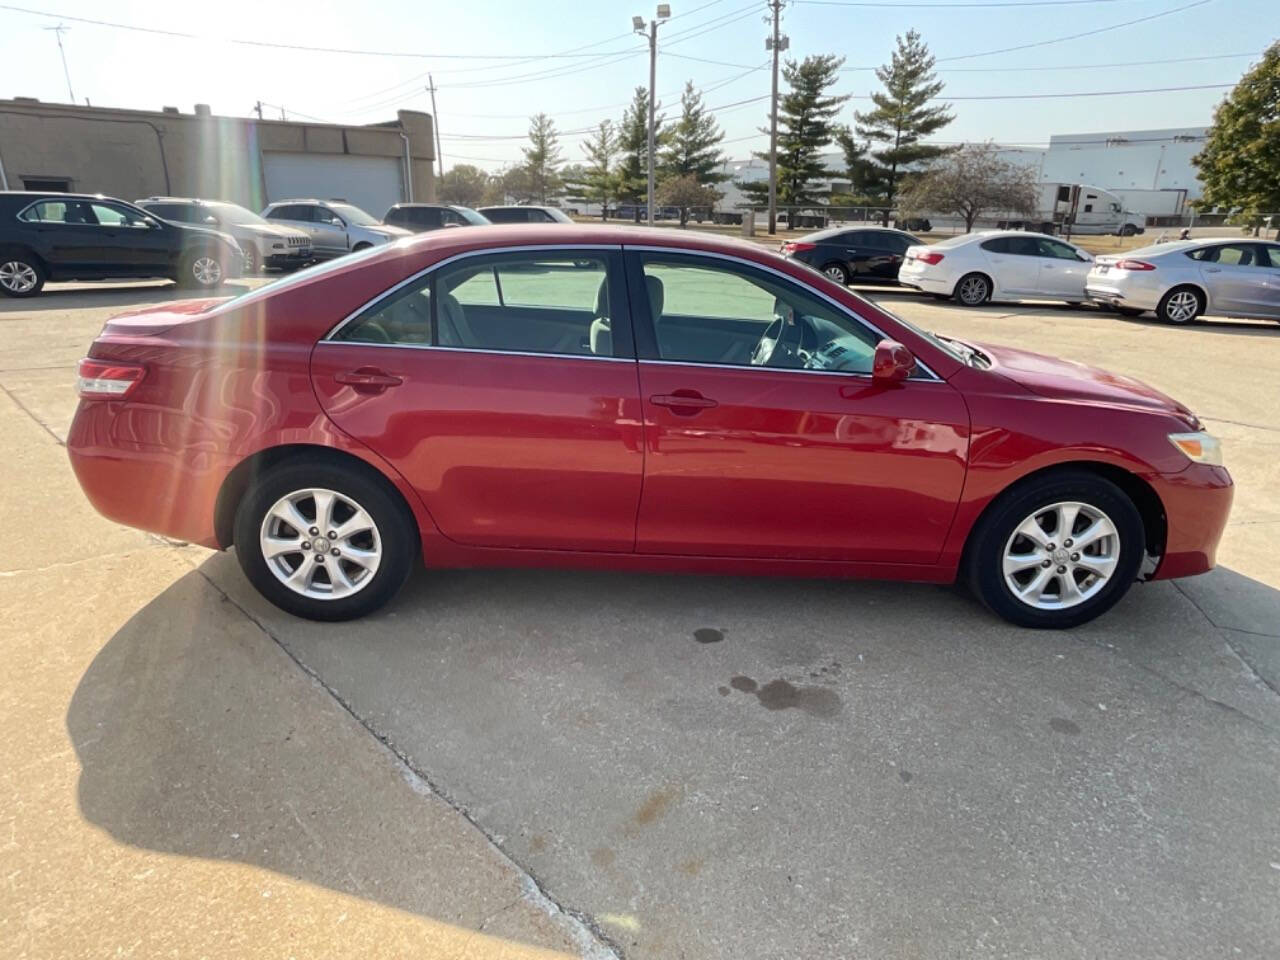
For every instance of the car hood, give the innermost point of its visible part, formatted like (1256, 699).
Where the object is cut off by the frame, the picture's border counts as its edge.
(191, 230)
(388, 231)
(270, 230)
(1060, 379)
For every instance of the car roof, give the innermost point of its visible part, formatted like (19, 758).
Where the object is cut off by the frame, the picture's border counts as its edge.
(849, 228)
(29, 195)
(517, 206)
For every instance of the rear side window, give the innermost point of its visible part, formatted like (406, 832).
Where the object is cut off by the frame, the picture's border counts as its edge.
(170, 211)
(1056, 249)
(994, 245)
(1270, 257)
(507, 216)
(293, 211)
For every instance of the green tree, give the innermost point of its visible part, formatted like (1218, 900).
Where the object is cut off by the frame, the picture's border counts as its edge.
(806, 117)
(693, 142)
(464, 184)
(599, 183)
(1240, 163)
(542, 158)
(633, 146)
(902, 117)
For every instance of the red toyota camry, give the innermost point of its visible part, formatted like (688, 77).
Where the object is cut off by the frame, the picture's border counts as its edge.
(629, 399)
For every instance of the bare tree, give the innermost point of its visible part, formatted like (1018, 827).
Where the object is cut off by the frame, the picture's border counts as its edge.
(969, 182)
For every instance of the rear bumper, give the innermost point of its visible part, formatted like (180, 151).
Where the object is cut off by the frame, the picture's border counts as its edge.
(1197, 504)
(922, 281)
(1125, 294)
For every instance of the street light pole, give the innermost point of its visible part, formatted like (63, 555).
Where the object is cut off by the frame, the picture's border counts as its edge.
(777, 43)
(637, 24)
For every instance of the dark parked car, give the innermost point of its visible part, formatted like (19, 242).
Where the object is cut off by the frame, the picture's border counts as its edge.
(421, 217)
(67, 236)
(523, 214)
(861, 255)
(915, 224)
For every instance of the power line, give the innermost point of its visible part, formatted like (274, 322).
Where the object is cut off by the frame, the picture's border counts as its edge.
(1078, 66)
(944, 6)
(1076, 36)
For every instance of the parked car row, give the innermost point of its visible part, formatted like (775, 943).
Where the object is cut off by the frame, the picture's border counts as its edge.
(1177, 281)
(201, 243)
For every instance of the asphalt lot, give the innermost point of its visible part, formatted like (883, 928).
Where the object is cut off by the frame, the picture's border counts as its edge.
(694, 767)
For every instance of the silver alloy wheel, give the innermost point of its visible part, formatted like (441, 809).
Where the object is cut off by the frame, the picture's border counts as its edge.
(207, 271)
(320, 543)
(1182, 306)
(17, 277)
(1061, 555)
(973, 291)
(835, 272)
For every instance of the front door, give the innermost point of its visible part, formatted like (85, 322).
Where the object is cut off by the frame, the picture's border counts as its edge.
(1236, 279)
(765, 434)
(1062, 272)
(137, 243)
(503, 387)
(1015, 263)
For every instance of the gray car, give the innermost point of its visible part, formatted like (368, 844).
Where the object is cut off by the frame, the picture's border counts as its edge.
(265, 245)
(336, 227)
(1180, 281)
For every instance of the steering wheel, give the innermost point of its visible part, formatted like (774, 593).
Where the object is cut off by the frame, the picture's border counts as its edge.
(771, 349)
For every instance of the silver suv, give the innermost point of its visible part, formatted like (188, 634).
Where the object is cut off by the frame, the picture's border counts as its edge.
(335, 227)
(264, 244)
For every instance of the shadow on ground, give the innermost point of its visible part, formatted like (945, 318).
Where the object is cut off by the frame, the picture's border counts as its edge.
(675, 751)
(81, 295)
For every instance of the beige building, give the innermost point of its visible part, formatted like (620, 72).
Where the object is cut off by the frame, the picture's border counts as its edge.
(131, 154)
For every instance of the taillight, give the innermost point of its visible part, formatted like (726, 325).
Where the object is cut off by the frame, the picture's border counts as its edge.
(797, 246)
(107, 379)
(928, 257)
(1135, 265)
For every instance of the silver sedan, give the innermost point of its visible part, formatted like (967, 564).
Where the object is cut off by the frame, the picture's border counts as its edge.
(1180, 281)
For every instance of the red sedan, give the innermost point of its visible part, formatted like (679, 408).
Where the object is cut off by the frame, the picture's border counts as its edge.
(629, 399)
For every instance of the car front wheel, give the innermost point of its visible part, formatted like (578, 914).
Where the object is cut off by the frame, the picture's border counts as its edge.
(1057, 551)
(325, 541)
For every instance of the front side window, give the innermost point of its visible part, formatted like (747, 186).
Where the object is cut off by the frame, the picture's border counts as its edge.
(109, 215)
(351, 214)
(300, 212)
(553, 303)
(724, 313)
(1056, 250)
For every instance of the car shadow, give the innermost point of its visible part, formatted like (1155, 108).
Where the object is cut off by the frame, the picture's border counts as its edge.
(82, 296)
(185, 749)
(1226, 325)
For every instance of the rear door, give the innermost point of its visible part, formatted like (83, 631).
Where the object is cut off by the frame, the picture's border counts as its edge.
(503, 387)
(69, 236)
(329, 231)
(766, 436)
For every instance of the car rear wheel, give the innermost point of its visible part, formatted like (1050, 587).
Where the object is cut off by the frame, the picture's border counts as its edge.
(361, 246)
(837, 272)
(324, 541)
(252, 262)
(1057, 551)
(20, 275)
(973, 290)
(1180, 305)
(202, 270)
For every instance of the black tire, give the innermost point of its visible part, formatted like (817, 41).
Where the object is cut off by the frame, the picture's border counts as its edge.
(21, 275)
(396, 533)
(984, 556)
(972, 290)
(1128, 230)
(194, 272)
(837, 272)
(252, 262)
(361, 246)
(1171, 308)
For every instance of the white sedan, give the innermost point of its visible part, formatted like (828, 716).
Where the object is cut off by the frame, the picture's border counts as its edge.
(975, 268)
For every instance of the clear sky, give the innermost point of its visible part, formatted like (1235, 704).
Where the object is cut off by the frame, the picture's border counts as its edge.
(477, 49)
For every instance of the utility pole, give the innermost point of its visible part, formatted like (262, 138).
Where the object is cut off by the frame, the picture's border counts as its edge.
(258, 107)
(435, 124)
(58, 31)
(637, 24)
(777, 43)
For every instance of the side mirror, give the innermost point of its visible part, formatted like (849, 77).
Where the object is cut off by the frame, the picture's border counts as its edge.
(893, 362)
(211, 220)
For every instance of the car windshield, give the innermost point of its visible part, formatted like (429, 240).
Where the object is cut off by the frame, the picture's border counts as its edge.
(353, 215)
(558, 215)
(234, 213)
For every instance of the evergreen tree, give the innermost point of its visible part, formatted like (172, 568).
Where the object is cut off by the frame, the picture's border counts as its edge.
(1240, 163)
(805, 118)
(542, 158)
(901, 119)
(633, 145)
(693, 142)
(600, 179)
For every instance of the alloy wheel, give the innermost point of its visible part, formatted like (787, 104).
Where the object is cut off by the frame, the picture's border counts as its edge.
(1061, 555)
(18, 277)
(973, 291)
(207, 271)
(836, 273)
(1182, 306)
(320, 544)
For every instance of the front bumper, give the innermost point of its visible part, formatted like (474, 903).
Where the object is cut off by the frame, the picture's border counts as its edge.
(1197, 504)
(295, 257)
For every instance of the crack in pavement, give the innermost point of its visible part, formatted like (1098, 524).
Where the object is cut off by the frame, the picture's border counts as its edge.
(591, 940)
(1253, 670)
(40, 423)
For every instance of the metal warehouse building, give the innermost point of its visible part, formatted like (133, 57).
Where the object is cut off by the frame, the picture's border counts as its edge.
(137, 153)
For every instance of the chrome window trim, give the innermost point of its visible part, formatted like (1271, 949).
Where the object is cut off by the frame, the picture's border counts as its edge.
(484, 350)
(481, 252)
(823, 373)
(791, 280)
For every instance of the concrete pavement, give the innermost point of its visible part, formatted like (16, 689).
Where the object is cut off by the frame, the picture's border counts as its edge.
(697, 766)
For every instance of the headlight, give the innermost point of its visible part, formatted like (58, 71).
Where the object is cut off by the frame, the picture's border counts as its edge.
(1199, 447)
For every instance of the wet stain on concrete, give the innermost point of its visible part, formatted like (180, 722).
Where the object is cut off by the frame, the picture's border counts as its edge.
(691, 867)
(708, 635)
(538, 843)
(602, 857)
(904, 776)
(1063, 725)
(781, 695)
(723, 691)
(655, 805)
